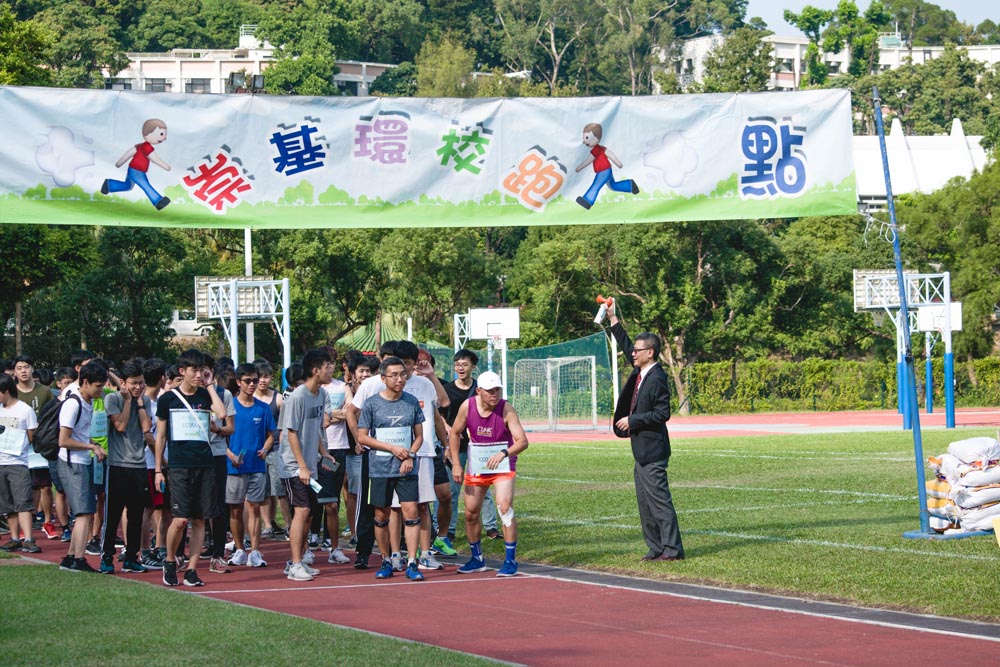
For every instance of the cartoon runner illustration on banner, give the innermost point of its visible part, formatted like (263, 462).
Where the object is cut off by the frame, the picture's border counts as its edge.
(154, 132)
(601, 158)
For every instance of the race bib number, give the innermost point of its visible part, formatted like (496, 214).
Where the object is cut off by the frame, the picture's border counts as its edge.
(12, 440)
(335, 401)
(394, 435)
(479, 454)
(187, 426)
(99, 425)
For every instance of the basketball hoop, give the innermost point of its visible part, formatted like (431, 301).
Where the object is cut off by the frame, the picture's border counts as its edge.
(879, 317)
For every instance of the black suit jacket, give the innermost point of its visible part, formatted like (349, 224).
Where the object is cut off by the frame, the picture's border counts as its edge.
(647, 423)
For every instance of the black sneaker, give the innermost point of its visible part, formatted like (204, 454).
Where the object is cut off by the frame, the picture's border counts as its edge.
(93, 547)
(150, 561)
(68, 563)
(170, 574)
(361, 563)
(11, 545)
(119, 542)
(191, 578)
(83, 566)
(29, 547)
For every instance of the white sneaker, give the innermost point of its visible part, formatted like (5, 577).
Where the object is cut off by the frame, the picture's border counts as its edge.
(308, 558)
(288, 566)
(298, 572)
(430, 563)
(398, 565)
(231, 545)
(311, 570)
(337, 556)
(239, 557)
(256, 559)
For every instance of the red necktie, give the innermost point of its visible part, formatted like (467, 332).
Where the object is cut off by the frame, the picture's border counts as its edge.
(635, 393)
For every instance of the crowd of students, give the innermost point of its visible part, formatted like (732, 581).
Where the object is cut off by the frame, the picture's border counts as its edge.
(193, 461)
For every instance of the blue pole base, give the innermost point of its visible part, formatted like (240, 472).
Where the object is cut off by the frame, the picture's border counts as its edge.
(920, 535)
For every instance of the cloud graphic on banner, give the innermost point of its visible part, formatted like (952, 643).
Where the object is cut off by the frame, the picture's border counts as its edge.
(60, 157)
(674, 159)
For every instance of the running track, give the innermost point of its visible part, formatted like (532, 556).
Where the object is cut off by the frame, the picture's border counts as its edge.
(560, 617)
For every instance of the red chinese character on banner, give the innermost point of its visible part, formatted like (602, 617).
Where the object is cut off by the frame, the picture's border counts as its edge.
(218, 185)
(536, 179)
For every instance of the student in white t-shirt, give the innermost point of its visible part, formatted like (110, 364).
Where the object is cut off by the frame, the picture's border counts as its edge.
(17, 426)
(76, 452)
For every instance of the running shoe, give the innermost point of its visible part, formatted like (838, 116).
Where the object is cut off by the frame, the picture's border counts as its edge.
(473, 565)
(288, 566)
(191, 578)
(216, 566)
(150, 561)
(170, 574)
(239, 557)
(311, 570)
(93, 547)
(429, 563)
(4, 528)
(508, 569)
(246, 544)
(398, 565)
(413, 573)
(267, 534)
(68, 564)
(308, 558)
(119, 542)
(280, 534)
(132, 567)
(360, 562)
(29, 547)
(338, 556)
(11, 545)
(384, 572)
(231, 545)
(353, 543)
(50, 530)
(313, 541)
(256, 559)
(298, 573)
(443, 547)
(326, 545)
(83, 566)
(346, 532)
(107, 566)
(66, 536)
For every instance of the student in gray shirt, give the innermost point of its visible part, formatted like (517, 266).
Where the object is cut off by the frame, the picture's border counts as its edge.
(128, 482)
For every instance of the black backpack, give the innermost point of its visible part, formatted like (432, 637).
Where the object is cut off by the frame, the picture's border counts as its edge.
(46, 440)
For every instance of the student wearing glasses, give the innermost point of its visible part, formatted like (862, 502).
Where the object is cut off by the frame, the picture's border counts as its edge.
(641, 414)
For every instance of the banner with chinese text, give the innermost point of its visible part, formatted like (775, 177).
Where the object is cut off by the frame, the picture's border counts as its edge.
(181, 160)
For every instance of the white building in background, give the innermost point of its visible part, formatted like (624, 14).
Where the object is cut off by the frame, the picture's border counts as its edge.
(916, 164)
(224, 70)
(790, 58)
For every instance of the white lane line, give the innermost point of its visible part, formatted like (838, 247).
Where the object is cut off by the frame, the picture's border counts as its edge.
(853, 546)
(463, 579)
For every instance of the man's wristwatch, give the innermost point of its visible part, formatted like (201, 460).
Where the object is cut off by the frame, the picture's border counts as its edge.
(505, 452)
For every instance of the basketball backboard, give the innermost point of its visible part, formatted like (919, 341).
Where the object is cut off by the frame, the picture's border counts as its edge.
(931, 318)
(494, 322)
(249, 302)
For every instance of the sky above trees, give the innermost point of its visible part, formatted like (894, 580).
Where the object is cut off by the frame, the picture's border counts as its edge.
(972, 12)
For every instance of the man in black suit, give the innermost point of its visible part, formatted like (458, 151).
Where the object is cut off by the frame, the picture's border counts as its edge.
(641, 414)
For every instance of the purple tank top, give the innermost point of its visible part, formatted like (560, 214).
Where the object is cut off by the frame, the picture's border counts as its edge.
(491, 429)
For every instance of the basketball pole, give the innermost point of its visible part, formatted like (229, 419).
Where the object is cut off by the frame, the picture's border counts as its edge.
(910, 386)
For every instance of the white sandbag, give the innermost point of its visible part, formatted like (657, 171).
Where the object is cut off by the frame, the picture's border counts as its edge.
(941, 525)
(968, 498)
(977, 477)
(976, 451)
(980, 518)
(938, 488)
(947, 466)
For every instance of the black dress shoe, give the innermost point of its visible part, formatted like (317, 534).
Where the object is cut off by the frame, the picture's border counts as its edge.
(652, 555)
(666, 557)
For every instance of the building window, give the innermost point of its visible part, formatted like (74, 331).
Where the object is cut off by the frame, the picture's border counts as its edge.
(785, 65)
(158, 85)
(198, 86)
(117, 84)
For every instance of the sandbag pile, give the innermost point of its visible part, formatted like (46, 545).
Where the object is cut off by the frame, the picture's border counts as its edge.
(966, 487)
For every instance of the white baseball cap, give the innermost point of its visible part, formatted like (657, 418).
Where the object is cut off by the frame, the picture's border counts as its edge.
(489, 380)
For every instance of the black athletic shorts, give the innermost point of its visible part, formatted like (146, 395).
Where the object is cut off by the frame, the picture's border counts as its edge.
(299, 494)
(380, 490)
(332, 481)
(192, 493)
(442, 475)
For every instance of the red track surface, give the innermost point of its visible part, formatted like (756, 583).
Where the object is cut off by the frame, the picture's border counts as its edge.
(539, 620)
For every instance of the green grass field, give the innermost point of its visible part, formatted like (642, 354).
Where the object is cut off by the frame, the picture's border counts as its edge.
(816, 516)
